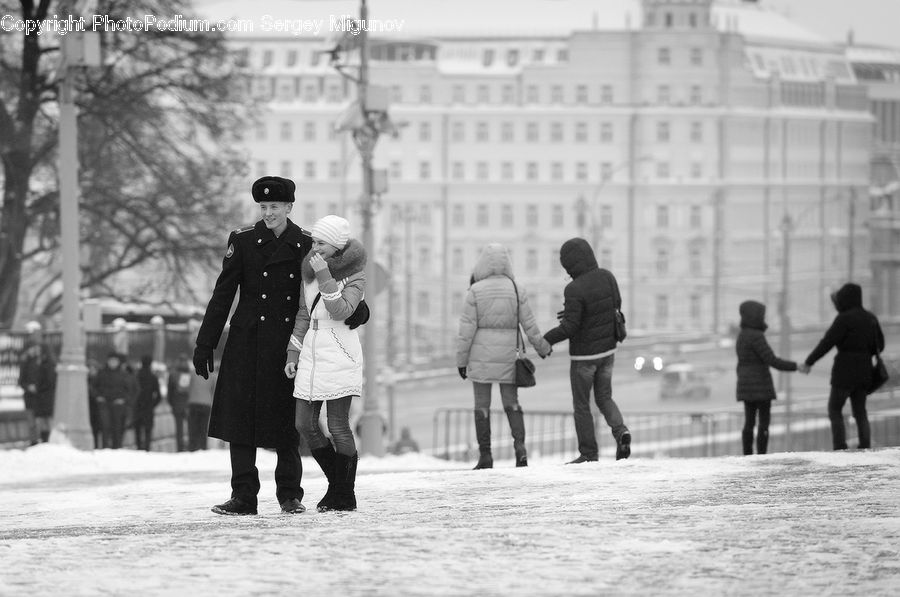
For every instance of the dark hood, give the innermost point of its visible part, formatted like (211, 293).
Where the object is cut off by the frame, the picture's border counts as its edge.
(848, 297)
(577, 257)
(753, 315)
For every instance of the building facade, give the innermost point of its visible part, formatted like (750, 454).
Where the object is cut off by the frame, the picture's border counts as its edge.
(712, 152)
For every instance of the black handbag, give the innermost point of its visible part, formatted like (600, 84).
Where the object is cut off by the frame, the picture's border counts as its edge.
(879, 374)
(524, 366)
(620, 326)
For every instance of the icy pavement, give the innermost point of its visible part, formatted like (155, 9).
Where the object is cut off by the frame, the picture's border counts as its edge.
(124, 522)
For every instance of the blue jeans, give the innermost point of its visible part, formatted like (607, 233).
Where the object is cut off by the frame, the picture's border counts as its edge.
(338, 417)
(594, 375)
(509, 396)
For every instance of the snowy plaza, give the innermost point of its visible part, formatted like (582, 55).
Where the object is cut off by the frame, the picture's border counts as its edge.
(124, 522)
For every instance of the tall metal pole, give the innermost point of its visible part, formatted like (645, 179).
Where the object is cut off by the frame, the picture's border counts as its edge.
(785, 346)
(851, 254)
(371, 423)
(71, 423)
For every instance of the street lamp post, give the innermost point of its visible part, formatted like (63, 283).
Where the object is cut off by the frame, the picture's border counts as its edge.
(785, 344)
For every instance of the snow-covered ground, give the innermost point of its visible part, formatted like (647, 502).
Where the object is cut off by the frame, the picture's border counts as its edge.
(134, 523)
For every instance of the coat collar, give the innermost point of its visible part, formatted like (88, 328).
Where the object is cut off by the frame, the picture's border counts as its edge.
(343, 264)
(292, 240)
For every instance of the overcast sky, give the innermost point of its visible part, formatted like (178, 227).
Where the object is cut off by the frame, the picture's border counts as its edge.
(873, 21)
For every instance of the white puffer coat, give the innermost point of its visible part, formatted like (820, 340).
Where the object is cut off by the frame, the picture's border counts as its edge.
(327, 352)
(488, 335)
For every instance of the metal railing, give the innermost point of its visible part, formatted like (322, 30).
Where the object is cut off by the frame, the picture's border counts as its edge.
(663, 434)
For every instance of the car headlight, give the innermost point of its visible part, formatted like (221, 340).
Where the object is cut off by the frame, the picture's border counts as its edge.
(639, 363)
(657, 363)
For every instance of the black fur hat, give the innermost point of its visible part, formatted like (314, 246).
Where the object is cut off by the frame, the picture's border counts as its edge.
(273, 188)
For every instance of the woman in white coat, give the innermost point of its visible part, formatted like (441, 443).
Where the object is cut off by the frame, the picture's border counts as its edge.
(324, 355)
(486, 346)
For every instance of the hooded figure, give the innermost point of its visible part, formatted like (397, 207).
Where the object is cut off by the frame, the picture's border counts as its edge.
(487, 344)
(857, 336)
(754, 379)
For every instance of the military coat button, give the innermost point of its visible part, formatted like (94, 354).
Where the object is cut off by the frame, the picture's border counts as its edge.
(265, 274)
(262, 317)
(292, 275)
(264, 296)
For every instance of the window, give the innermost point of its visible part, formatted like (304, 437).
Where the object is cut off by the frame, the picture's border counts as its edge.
(670, 20)
(334, 169)
(459, 216)
(662, 216)
(267, 58)
(531, 215)
(606, 171)
(663, 56)
(556, 171)
(333, 94)
(556, 216)
(481, 215)
(396, 94)
(662, 309)
(512, 57)
(606, 216)
(556, 94)
(663, 94)
(309, 131)
(506, 171)
(425, 170)
(457, 132)
(487, 57)
(424, 258)
(309, 170)
(696, 95)
(532, 95)
(425, 94)
(696, 132)
(581, 170)
(692, 20)
(696, 218)
(506, 132)
(458, 94)
(696, 170)
(531, 131)
(531, 171)
(556, 132)
(424, 131)
(696, 56)
(506, 215)
(662, 169)
(310, 93)
(483, 94)
(662, 262)
(537, 55)
(562, 55)
(606, 132)
(457, 171)
(286, 131)
(456, 260)
(481, 170)
(508, 94)
(581, 134)
(481, 131)
(695, 261)
(581, 94)
(662, 132)
(606, 94)
(396, 169)
(696, 307)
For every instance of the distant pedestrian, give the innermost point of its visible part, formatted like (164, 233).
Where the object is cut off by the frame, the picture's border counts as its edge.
(405, 444)
(324, 355)
(148, 398)
(857, 335)
(588, 321)
(37, 378)
(754, 379)
(115, 399)
(488, 340)
(93, 408)
(199, 405)
(177, 396)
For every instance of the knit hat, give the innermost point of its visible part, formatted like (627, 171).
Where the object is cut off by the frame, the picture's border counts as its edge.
(332, 229)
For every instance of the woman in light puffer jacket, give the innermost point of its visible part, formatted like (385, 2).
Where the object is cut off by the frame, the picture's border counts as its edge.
(486, 346)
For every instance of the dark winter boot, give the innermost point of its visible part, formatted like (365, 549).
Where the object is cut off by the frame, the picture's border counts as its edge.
(325, 458)
(343, 495)
(762, 441)
(747, 439)
(483, 435)
(517, 427)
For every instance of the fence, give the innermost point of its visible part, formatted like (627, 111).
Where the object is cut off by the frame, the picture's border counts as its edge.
(663, 434)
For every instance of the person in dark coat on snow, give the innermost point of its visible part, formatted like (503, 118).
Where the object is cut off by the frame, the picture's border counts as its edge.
(754, 379)
(253, 404)
(148, 398)
(857, 335)
(588, 321)
(37, 378)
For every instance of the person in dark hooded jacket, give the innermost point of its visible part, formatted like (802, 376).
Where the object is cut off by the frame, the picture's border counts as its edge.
(857, 335)
(588, 321)
(754, 379)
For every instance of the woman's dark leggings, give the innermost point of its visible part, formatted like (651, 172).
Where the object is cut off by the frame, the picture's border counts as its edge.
(764, 409)
(338, 417)
(836, 401)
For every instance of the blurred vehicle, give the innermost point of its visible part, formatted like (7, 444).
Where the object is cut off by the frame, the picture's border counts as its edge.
(648, 363)
(682, 380)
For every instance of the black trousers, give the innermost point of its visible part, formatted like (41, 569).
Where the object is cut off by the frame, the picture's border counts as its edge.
(836, 401)
(245, 475)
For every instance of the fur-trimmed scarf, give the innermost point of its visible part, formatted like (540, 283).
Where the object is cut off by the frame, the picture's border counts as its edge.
(343, 264)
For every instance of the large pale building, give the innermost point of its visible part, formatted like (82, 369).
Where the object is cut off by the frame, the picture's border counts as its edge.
(710, 151)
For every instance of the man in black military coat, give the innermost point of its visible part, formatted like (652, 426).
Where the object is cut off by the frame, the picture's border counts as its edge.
(253, 405)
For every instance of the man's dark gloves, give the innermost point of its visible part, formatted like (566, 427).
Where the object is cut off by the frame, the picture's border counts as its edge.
(462, 372)
(359, 317)
(203, 361)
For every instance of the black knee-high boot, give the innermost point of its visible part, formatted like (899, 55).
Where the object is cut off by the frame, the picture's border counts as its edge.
(747, 437)
(483, 435)
(343, 497)
(762, 441)
(517, 427)
(325, 458)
